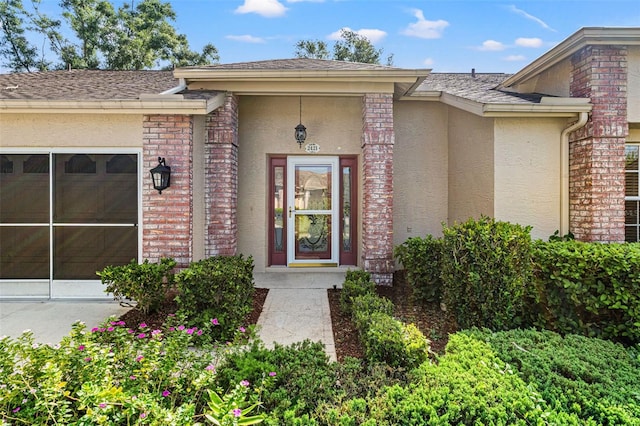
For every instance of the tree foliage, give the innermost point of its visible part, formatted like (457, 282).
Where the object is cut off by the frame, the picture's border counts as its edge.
(351, 47)
(131, 37)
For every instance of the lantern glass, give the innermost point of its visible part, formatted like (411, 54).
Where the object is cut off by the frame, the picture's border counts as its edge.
(161, 176)
(301, 134)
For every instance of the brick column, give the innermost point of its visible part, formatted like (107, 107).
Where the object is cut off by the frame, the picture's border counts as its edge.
(596, 154)
(377, 221)
(221, 179)
(167, 218)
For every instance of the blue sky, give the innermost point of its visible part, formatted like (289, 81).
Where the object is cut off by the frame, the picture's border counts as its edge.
(444, 35)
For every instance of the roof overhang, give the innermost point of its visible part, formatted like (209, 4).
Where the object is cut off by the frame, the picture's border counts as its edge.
(146, 104)
(577, 41)
(548, 106)
(400, 82)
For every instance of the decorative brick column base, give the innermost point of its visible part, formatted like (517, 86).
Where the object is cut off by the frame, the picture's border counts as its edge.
(167, 226)
(221, 179)
(596, 153)
(377, 221)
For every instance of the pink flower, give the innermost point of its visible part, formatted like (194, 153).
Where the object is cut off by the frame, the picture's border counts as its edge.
(237, 412)
(166, 393)
(81, 348)
(181, 327)
(215, 321)
(15, 410)
(110, 329)
(143, 415)
(143, 325)
(132, 377)
(139, 358)
(154, 332)
(199, 333)
(102, 405)
(141, 336)
(272, 374)
(242, 330)
(87, 359)
(210, 367)
(244, 383)
(94, 329)
(190, 330)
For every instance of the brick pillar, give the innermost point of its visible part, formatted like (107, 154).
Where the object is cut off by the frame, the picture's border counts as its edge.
(377, 221)
(221, 179)
(596, 154)
(168, 217)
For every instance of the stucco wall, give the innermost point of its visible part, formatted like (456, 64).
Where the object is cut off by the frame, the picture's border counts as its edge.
(527, 173)
(266, 127)
(471, 160)
(633, 84)
(420, 169)
(70, 130)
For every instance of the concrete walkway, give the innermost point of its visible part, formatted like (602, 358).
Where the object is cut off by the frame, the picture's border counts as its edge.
(297, 308)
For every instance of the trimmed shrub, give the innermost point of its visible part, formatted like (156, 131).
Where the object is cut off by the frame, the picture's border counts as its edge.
(218, 288)
(587, 288)
(486, 265)
(146, 283)
(591, 378)
(421, 259)
(366, 305)
(357, 283)
(388, 340)
(468, 386)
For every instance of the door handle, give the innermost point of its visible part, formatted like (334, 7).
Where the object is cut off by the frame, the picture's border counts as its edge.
(290, 210)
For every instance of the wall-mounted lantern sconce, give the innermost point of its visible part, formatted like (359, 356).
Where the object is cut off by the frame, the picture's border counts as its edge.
(161, 176)
(301, 131)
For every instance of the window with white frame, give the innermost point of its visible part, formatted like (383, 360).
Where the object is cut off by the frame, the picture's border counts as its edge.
(632, 193)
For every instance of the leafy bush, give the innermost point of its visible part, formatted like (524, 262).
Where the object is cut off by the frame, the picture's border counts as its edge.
(146, 283)
(469, 385)
(366, 305)
(591, 378)
(588, 288)
(357, 283)
(388, 340)
(113, 374)
(217, 289)
(303, 376)
(421, 259)
(486, 265)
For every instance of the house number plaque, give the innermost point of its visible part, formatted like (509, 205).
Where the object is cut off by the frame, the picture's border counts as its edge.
(312, 148)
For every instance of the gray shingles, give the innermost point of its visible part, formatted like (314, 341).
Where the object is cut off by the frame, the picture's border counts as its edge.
(301, 64)
(84, 84)
(483, 88)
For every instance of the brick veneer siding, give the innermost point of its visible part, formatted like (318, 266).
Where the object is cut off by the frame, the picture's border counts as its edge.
(168, 217)
(596, 188)
(221, 179)
(377, 221)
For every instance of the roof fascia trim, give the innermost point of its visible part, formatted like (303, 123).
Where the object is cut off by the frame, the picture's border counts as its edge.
(578, 40)
(555, 107)
(152, 105)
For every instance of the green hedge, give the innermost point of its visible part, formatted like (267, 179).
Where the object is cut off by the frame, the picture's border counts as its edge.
(587, 288)
(421, 258)
(485, 267)
(218, 289)
(591, 378)
(469, 385)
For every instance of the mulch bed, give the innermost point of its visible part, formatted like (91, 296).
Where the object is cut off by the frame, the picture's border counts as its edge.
(434, 323)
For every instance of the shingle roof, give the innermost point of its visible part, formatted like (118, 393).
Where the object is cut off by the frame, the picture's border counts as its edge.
(482, 88)
(84, 84)
(302, 64)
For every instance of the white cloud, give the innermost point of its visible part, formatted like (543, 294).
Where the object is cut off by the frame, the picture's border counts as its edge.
(529, 42)
(372, 35)
(492, 46)
(515, 58)
(530, 17)
(302, 1)
(428, 62)
(246, 38)
(266, 8)
(424, 28)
